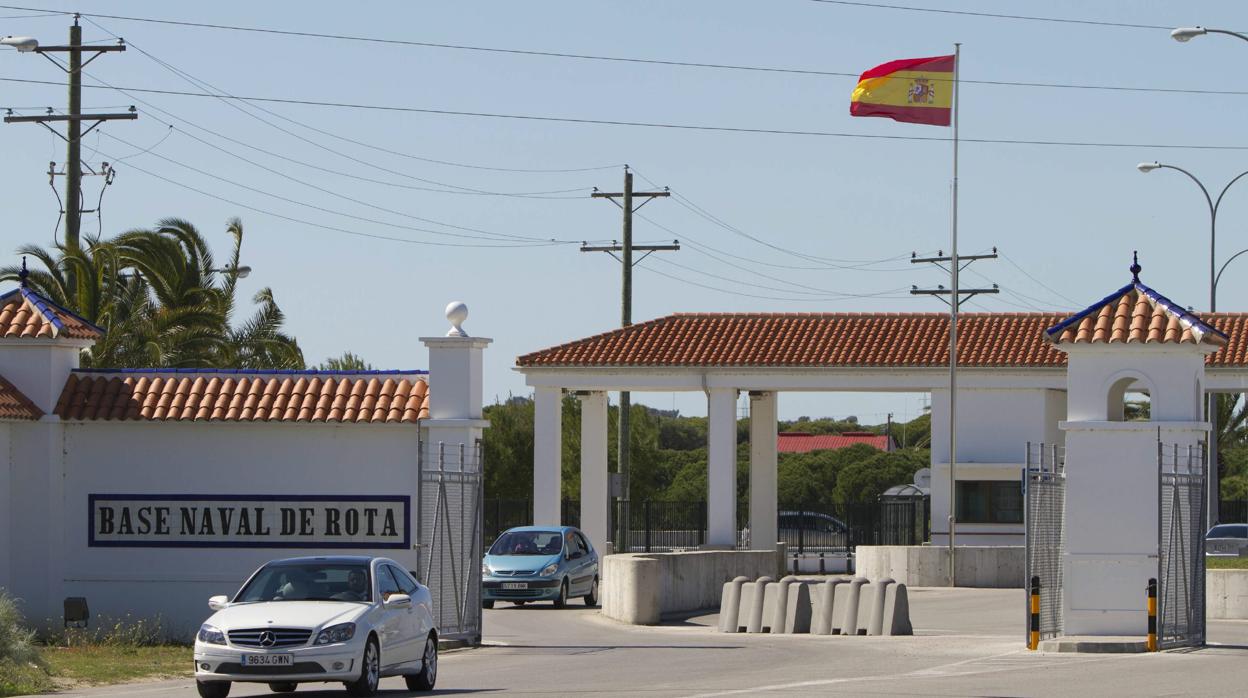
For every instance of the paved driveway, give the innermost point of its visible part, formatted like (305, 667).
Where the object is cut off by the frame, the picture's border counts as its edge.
(967, 642)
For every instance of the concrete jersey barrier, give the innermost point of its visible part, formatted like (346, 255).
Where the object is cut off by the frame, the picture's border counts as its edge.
(838, 606)
(640, 588)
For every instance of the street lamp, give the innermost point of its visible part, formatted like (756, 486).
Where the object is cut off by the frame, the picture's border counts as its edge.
(24, 44)
(1214, 276)
(241, 272)
(1186, 34)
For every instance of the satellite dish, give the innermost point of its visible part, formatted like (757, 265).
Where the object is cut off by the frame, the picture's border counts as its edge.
(923, 478)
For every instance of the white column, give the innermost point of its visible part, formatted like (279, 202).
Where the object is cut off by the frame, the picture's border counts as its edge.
(594, 499)
(763, 434)
(721, 466)
(547, 455)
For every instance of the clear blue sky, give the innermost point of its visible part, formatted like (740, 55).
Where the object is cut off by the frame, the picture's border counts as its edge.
(1069, 216)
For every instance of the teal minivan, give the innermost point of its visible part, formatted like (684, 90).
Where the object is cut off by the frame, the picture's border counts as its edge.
(540, 563)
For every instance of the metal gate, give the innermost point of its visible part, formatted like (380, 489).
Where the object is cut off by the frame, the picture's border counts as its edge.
(1181, 545)
(449, 531)
(1044, 513)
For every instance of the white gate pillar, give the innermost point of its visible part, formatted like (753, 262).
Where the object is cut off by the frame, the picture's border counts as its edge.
(721, 466)
(763, 436)
(594, 496)
(547, 455)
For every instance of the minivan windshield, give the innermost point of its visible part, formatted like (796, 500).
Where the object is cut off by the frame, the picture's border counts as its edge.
(528, 543)
(309, 581)
(1229, 531)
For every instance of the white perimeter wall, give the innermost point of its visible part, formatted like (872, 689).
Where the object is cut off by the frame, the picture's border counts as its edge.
(50, 527)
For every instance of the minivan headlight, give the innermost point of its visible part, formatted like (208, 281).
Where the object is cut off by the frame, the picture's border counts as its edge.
(550, 569)
(485, 570)
(336, 633)
(210, 635)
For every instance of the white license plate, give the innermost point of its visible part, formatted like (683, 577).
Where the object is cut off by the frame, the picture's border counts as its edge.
(515, 585)
(268, 660)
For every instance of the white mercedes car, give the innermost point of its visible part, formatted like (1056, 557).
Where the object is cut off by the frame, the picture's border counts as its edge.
(319, 619)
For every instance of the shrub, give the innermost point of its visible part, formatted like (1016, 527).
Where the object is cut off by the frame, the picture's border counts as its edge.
(126, 631)
(21, 670)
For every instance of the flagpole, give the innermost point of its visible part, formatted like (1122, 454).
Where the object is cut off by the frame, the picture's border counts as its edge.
(953, 332)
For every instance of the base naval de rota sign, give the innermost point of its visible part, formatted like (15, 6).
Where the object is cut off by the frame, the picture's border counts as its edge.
(249, 521)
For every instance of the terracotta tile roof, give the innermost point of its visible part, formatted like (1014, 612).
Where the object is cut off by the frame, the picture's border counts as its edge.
(26, 314)
(803, 442)
(814, 339)
(224, 396)
(14, 404)
(851, 340)
(1135, 313)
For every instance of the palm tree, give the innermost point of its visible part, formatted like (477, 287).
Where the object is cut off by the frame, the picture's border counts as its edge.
(162, 302)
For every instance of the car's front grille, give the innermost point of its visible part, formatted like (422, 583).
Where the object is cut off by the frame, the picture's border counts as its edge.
(514, 573)
(296, 668)
(517, 593)
(270, 638)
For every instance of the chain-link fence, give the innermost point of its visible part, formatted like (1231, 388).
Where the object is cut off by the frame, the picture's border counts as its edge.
(1181, 545)
(450, 523)
(1044, 492)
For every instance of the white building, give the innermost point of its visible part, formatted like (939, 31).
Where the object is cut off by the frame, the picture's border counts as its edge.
(1012, 390)
(146, 491)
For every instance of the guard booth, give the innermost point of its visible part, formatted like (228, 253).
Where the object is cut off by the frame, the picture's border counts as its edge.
(1121, 508)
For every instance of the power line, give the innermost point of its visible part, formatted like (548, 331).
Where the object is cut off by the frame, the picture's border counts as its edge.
(493, 235)
(652, 124)
(322, 226)
(820, 294)
(993, 15)
(690, 64)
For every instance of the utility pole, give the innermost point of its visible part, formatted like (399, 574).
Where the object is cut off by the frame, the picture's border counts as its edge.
(957, 296)
(73, 203)
(888, 433)
(626, 250)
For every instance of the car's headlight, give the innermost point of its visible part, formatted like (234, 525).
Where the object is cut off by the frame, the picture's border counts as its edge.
(550, 569)
(210, 635)
(336, 633)
(486, 571)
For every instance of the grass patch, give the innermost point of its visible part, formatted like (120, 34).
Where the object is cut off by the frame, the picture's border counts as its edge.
(103, 664)
(1226, 563)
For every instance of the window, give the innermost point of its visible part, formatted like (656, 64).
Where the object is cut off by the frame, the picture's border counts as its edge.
(385, 582)
(406, 584)
(584, 544)
(990, 501)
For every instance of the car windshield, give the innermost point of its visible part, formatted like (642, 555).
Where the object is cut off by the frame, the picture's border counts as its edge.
(1229, 531)
(528, 543)
(309, 581)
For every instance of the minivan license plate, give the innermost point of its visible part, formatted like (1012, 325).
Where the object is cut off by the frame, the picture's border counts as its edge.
(515, 585)
(268, 660)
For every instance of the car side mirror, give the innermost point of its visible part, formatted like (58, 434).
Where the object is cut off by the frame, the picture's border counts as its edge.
(399, 601)
(217, 603)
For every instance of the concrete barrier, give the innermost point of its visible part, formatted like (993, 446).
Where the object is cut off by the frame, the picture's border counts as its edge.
(798, 610)
(897, 611)
(758, 604)
(730, 605)
(1226, 594)
(926, 565)
(681, 582)
(824, 606)
(848, 607)
(630, 589)
(879, 589)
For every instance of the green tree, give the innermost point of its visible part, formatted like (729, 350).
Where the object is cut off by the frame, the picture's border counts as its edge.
(161, 301)
(347, 361)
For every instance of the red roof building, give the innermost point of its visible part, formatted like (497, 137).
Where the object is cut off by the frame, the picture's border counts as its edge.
(805, 442)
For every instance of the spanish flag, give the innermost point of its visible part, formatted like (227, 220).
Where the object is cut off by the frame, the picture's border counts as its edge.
(913, 90)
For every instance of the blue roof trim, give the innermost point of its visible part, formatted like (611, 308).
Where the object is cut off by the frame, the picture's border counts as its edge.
(259, 371)
(46, 307)
(1167, 304)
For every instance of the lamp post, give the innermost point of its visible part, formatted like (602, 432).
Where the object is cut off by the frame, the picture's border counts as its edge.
(1215, 275)
(1186, 34)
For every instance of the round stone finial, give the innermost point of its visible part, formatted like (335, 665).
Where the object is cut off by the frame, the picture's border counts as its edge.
(456, 312)
(1135, 267)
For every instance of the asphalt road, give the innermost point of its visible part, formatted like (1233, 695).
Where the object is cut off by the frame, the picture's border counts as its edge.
(967, 643)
